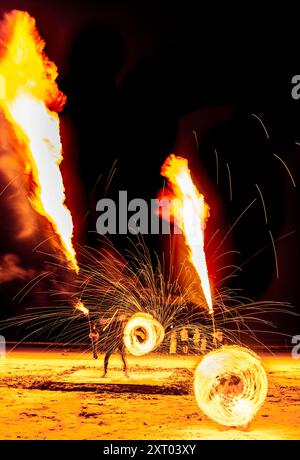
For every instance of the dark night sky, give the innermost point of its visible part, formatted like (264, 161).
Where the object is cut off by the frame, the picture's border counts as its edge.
(140, 78)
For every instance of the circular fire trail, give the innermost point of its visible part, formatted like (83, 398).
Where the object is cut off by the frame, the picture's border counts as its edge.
(230, 385)
(31, 104)
(143, 334)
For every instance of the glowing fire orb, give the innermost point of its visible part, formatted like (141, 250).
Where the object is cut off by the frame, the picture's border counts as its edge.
(230, 385)
(143, 334)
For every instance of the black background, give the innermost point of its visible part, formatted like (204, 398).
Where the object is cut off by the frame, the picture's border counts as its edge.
(140, 77)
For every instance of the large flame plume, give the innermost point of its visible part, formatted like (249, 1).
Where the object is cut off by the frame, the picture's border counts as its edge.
(31, 104)
(230, 385)
(143, 334)
(190, 212)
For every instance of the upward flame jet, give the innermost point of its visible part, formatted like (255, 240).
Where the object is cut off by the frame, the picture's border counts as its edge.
(190, 214)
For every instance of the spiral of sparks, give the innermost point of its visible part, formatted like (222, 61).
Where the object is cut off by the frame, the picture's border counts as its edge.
(143, 334)
(230, 385)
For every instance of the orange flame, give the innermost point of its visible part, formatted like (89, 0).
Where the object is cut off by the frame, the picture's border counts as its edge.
(32, 100)
(190, 213)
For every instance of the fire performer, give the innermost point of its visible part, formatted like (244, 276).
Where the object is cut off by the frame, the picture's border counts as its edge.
(94, 336)
(114, 340)
(93, 332)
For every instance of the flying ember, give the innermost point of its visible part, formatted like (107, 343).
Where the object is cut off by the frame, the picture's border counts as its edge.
(80, 307)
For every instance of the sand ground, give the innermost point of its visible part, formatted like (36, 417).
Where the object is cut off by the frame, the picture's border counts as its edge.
(29, 410)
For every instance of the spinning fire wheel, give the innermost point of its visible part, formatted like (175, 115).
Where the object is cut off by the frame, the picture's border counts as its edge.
(230, 385)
